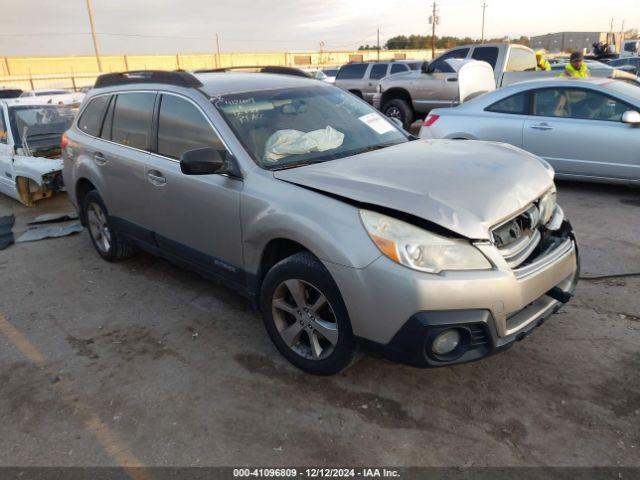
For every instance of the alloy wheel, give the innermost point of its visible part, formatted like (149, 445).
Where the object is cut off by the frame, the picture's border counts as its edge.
(305, 319)
(99, 227)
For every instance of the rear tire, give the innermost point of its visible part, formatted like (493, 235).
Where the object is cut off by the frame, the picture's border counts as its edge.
(305, 316)
(104, 236)
(400, 109)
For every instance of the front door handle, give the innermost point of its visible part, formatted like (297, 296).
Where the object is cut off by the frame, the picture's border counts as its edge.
(98, 157)
(156, 178)
(542, 126)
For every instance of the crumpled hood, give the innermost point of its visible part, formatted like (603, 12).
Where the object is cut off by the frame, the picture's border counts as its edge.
(464, 186)
(35, 167)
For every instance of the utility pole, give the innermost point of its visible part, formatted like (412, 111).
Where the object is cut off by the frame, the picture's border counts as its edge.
(378, 44)
(217, 51)
(484, 7)
(93, 35)
(611, 28)
(433, 20)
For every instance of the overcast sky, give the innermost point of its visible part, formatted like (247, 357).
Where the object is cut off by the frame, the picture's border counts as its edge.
(52, 27)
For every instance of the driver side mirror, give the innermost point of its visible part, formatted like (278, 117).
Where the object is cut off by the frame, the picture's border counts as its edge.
(425, 67)
(208, 161)
(631, 117)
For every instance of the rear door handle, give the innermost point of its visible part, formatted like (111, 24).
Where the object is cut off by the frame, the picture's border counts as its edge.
(452, 79)
(98, 157)
(541, 126)
(156, 178)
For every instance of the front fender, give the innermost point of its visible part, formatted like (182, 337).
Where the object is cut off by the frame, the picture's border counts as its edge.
(329, 228)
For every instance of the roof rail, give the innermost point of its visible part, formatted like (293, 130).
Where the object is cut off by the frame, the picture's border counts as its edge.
(177, 78)
(259, 69)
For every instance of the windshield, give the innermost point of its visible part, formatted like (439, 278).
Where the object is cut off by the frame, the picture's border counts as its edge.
(39, 123)
(287, 128)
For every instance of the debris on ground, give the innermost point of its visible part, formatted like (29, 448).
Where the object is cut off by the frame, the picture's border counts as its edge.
(54, 217)
(52, 231)
(6, 233)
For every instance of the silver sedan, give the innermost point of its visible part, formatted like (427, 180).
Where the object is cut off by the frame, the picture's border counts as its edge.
(586, 129)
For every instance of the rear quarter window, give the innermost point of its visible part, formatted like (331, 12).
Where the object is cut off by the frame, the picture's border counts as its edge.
(352, 72)
(517, 104)
(90, 121)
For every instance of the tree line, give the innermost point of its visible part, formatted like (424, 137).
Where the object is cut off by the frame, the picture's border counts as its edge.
(423, 42)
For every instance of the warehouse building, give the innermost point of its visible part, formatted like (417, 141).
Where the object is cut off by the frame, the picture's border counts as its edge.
(574, 41)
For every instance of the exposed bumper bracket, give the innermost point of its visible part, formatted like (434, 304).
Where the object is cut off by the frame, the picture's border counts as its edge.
(560, 295)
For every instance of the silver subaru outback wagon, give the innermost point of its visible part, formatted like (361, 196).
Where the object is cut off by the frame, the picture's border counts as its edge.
(343, 229)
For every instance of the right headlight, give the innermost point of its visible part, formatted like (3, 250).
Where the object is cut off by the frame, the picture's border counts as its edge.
(419, 249)
(547, 206)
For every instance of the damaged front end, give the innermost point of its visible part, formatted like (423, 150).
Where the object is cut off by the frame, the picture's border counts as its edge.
(36, 161)
(37, 177)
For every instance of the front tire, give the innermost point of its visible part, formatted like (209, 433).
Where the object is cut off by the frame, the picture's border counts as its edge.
(400, 109)
(103, 235)
(305, 316)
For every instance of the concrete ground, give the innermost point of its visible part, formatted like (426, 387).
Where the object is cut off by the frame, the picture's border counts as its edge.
(142, 363)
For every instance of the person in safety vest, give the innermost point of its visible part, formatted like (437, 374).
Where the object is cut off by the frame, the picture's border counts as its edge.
(576, 67)
(542, 63)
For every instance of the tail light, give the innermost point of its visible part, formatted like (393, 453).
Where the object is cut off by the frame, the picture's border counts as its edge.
(64, 141)
(430, 120)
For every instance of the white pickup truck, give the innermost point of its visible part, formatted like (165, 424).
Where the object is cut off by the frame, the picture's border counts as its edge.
(409, 96)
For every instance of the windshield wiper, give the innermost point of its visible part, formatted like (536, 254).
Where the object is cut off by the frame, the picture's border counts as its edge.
(287, 166)
(371, 148)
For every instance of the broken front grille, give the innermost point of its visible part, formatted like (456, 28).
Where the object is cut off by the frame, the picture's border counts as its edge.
(518, 237)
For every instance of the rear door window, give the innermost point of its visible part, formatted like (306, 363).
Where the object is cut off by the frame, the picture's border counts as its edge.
(182, 127)
(486, 54)
(378, 71)
(90, 121)
(352, 72)
(132, 119)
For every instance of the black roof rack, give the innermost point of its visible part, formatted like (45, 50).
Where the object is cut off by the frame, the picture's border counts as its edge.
(177, 78)
(296, 72)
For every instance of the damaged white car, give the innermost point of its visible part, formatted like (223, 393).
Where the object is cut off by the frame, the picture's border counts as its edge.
(30, 135)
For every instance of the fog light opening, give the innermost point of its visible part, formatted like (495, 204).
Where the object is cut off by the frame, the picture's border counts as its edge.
(446, 342)
(449, 344)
